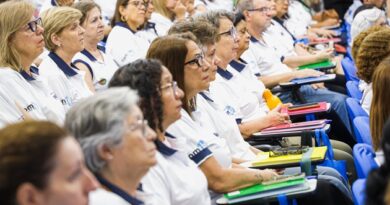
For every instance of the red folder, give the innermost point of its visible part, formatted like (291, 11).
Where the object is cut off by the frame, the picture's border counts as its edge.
(299, 126)
(324, 107)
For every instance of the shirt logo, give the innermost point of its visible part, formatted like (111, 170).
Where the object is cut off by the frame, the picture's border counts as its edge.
(30, 107)
(200, 145)
(66, 101)
(229, 110)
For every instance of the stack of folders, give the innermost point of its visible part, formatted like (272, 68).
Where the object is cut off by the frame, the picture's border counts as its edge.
(283, 185)
(322, 65)
(294, 127)
(305, 109)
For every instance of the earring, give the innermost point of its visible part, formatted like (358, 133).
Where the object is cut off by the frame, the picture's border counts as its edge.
(123, 18)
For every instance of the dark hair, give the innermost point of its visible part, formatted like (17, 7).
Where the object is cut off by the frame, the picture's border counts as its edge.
(377, 180)
(85, 6)
(27, 151)
(238, 18)
(172, 52)
(145, 77)
(205, 33)
(117, 15)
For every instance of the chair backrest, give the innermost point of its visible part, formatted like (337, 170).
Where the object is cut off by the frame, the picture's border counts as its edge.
(362, 130)
(364, 159)
(358, 190)
(353, 90)
(349, 69)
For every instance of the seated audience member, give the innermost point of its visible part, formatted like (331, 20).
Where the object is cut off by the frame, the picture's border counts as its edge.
(117, 143)
(380, 107)
(366, 19)
(64, 37)
(165, 13)
(123, 44)
(348, 17)
(148, 30)
(202, 6)
(377, 186)
(54, 3)
(107, 10)
(368, 4)
(175, 179)
(209, 152)
(272, 71)
(23, 93)
(190, 7)
(41, 164)
(372, 50)
(98, 66)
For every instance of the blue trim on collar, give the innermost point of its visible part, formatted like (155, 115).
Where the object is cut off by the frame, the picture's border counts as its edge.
(164, 149)
(253, 39)
(169, 135)
(86, 64)
(53, 3)
(121, 24)
(204, 95)
(26, 76)
(88, 55)
(224, 73)
(242, 61)
(101, 48)
(237, 65)
(68, 70)
(118, 191)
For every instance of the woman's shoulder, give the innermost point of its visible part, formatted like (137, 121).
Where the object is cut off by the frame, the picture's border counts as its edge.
(103, 197)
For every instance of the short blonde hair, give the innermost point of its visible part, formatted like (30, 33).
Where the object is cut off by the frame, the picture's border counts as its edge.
(55, 20)
(161, 8)
(13, 16)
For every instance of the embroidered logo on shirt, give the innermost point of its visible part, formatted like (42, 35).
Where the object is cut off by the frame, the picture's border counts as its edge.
(201, 145)
(229, 110)
(30, 107)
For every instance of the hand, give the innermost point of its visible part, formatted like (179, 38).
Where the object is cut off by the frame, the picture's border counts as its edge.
(268, 174)
(316, 86)
(307, 73)
(276, 118)
(179, 10)
(324, 54)
(325, 33)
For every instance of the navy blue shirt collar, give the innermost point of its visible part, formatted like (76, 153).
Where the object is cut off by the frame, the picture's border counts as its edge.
(26, 76)
(224, 73)
(205, 96)
(238, 66)
(254, 40)
(89, 55)
(115, 189)
(164, 149)
(68, 70)
(124, 25)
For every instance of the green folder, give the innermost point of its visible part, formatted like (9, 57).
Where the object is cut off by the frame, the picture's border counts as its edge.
(259, 188)
(323, 65)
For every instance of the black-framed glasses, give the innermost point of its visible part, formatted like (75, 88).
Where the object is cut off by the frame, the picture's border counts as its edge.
(33, 25)
(139, 3)
(172, 85)
(198, 60)
(231, 32)
(288, 151)
(139, 125)
(262, 10)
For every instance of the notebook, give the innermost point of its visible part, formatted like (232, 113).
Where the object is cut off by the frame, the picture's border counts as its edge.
(309, 80)
(307, 125)
(324, 107)
(323, 65)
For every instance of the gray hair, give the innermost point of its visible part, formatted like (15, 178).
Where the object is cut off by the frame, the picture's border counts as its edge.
(214, 17)
(100, 120)
(244, 5)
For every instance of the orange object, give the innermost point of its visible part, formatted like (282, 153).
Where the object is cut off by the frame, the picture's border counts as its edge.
(271, 100)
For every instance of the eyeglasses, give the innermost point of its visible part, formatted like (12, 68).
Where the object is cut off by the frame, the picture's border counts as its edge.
(288, 150)
(262, 10)
(231, 32)
(33, 25)
(172, 85)
(139, 3)
(139, 125)
(198, 60)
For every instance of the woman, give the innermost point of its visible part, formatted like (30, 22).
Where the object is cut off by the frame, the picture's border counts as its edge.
(41, 164)
(175, 179)
(64, 37)
(99, 66)
(117, 142)
(165, 13)
(380, 107)
(21, 42)
(122, 43)
(365, 19)
(183, 57)
(372, 50)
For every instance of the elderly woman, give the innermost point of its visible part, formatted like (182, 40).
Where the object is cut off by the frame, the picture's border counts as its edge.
(365, 19)
(99, 66)
(41, 164)
(122, 43)
(175, 179)
(64, 37)
(165, 13)
(23, 94)
(117, 142)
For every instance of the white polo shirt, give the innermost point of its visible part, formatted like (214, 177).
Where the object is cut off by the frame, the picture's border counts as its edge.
(176, 179)
(108, 9)
(222, 125)
(216, 4)
(298, 12)
(41, 87)
(15, 90)
(348, 17)
(280, 39)
(234, 98)
(367, 98)
(67, 82)
(161, 22)
(124, 46)
(149, 32)
(101, 70)
(267, 61)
